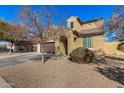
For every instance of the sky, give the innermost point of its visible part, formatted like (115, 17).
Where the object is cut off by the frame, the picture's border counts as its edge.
(84, 12)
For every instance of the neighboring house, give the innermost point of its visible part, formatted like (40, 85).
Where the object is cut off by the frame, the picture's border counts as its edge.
(31, 43)
(87, 34)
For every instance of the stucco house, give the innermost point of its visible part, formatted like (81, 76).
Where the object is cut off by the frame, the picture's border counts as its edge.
(89, 34)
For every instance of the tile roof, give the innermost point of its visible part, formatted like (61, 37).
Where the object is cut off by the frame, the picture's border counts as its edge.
(94, 31)
(88, 21)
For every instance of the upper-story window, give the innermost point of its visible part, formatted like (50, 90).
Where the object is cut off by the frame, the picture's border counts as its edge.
(96, 23)
(71, 25)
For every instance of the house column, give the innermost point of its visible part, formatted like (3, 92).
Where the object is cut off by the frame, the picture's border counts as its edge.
(70, 42)
(38, 48)
(57, 46)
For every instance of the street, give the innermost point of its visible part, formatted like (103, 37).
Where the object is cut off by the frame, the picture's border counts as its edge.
(17, 59)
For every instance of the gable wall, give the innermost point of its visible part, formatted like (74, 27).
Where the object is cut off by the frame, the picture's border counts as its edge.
(84, 26)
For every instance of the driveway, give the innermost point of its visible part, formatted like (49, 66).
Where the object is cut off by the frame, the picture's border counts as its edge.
(16, 59)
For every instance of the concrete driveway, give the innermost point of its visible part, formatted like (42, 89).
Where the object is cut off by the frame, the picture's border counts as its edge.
(16, 59)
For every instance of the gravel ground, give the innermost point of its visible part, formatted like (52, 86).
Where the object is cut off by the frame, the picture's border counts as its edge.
(57, 73)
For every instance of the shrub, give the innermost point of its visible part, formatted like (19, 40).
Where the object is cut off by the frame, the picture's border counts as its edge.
(121, 47)
(99, 55)
(81, 55)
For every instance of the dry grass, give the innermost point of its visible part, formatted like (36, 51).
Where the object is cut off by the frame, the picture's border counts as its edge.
(56, 73)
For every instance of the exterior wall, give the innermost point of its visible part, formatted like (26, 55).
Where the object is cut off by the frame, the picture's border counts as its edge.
(78, 42)
(70, 43)
(62, 48)
(111, 48)
(98, 42)
(59, 46)
(24, 46)
(91, 25)
(38, 48)
(79, 27)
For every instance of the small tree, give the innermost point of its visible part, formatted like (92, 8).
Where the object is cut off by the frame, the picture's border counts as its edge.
(116, 23)
(38, 21)
(16, 33)
(12, 33)
(3, 30)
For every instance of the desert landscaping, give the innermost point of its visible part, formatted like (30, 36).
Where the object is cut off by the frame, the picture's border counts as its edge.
(43, 48)
(64, 73)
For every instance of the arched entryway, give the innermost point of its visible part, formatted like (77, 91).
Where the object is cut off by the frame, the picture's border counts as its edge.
(64, 44)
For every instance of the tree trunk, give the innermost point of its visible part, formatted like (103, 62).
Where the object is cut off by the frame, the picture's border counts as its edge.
(42, 51)
(11, 48)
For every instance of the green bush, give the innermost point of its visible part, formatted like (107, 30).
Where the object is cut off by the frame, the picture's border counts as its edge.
(121, 47)
(81, 55)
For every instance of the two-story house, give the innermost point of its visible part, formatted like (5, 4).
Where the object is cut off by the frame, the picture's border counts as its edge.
(80, 34)
(87, 34)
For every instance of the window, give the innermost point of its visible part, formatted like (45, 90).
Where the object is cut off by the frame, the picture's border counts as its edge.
(96, 24)
(72, 25)
(91, 24)
(87, 42)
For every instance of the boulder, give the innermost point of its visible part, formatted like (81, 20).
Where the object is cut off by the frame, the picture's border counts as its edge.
(81, 55)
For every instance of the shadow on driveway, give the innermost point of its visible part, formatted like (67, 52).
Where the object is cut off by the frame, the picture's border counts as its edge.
(39, 57)
(113, 73)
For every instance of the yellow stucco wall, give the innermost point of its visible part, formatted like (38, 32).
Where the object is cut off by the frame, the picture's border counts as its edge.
(78, 42)
(77, 25)
(59, 46)
(85, 26)
(62, 48)
(111, 48)
(98, 42)
(90, 25)
(71, 44)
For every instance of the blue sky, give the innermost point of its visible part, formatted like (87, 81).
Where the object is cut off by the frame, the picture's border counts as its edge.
(84, 12)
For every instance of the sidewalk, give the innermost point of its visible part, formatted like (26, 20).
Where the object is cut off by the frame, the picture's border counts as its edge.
(3, 83)
(6, 55)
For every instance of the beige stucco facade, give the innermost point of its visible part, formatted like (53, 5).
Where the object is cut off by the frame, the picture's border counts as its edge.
(111, 48)
(98, 42)
(71, 41)
(83, 26)
(60, 48)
